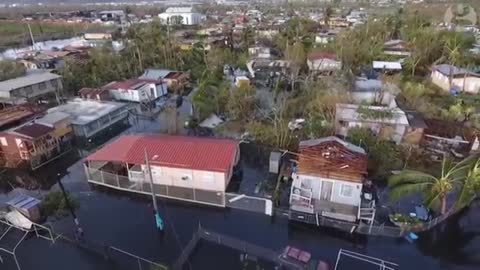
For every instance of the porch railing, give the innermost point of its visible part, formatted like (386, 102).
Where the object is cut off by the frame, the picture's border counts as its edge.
(139, 184)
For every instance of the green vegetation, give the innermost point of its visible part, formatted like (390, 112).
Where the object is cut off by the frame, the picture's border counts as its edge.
(54, 204)
(16, 33)
(368, 113)
(10, 70)
(383, 156)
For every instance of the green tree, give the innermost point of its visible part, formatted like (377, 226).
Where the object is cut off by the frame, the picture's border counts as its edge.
(10, 70)
(471, 183)
(434, 189)
(383, 156)
(241, 103)
(211, 96)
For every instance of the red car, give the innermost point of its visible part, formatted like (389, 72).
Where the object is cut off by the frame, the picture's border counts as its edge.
(294, 258)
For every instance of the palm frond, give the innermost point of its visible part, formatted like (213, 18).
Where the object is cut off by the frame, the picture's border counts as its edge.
(410, 176)
(400, 191)
(432, 200)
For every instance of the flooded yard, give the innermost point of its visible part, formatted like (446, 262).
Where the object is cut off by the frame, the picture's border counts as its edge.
(125, 221)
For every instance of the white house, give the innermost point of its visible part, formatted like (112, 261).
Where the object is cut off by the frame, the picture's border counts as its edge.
(181, 15)
(137, 90)
(386, 122)
(187, 168)
(462, 80)
(387, 66)
(323, 63)
(329, 179)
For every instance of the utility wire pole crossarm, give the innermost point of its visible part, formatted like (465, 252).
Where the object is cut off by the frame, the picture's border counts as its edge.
(158, 218)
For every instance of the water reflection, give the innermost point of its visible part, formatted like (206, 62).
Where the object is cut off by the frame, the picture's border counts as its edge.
(454, 240)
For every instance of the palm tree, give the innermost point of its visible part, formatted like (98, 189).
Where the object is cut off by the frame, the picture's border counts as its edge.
(434, 189)
(470, 185)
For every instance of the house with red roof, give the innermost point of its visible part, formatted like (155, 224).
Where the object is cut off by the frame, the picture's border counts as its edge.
(194, 169)
(323, 63)
(137, 90)
(37, 142)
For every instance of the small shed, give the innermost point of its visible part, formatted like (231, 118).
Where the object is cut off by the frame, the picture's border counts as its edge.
(275, 159)
(28, 206)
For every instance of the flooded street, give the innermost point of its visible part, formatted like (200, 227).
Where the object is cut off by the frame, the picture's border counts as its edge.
(125, 221)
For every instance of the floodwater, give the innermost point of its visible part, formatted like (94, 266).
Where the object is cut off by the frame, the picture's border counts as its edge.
(126, 221)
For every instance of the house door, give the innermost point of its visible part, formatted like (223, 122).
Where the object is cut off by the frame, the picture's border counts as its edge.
(326, 193)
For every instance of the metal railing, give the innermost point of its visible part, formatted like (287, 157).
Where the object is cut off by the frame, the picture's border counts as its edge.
(140, 260)
(122, 182)
(363, 228)
(35, 227)
(382, 264)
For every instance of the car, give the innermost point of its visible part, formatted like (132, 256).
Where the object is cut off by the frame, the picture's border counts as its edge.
(301, 259)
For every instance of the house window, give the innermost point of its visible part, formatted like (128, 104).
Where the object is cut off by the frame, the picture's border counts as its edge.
(28, 90)
(3, 141)
(346, 190)
(42, 86)
(54, 83)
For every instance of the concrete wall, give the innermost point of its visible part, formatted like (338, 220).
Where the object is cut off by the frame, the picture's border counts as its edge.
(472, 84)
(187, 178)
(315, 184)
(142, 94)
(389, 132)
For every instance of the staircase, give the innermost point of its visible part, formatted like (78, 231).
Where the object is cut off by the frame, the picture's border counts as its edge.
(367, 212)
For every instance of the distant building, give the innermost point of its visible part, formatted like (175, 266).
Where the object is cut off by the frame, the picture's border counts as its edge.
(259, 52)
(94, 93)
(180, 15)
(174, 79)
(32, 86)
(396, 47)
(92, 119)
(322, 63)
(387, 66)
(37, 142)
(329, 179)
(112, 15)
(192, 169)
(137, 90)
(462, 80)
(372, 91)
(388, 123)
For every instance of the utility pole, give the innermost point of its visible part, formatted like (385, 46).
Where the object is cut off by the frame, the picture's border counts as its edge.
(31, 36)
(158, 218)
(79, 231)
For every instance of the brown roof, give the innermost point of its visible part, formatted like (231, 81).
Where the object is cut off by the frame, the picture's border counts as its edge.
(33, 130)
(332, 158)
(13, 114)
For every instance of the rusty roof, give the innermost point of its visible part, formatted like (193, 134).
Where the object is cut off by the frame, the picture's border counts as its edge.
(333, 158)
(197, 153)
(13, 114)
(33, 130)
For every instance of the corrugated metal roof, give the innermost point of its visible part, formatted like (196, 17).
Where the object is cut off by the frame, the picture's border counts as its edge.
(27, 80)
(33, 130)
(197, 153)
(155, 74)
(446, 69)
(332, 158)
